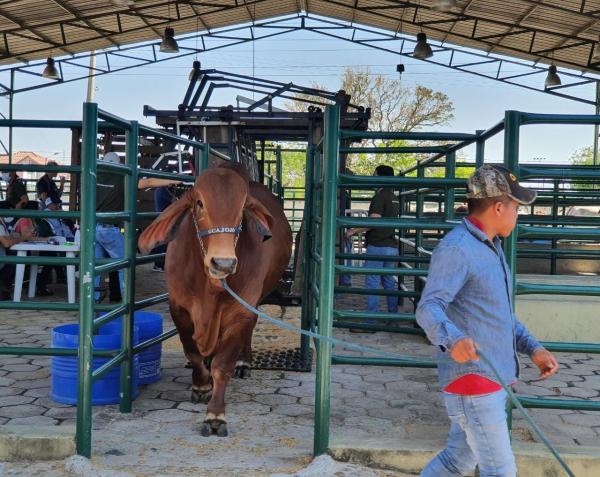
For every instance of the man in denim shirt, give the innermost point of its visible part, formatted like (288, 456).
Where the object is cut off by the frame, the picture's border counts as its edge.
(466, 306)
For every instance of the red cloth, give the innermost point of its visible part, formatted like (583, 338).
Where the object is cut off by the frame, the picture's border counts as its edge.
(475, 222)
(472, 384)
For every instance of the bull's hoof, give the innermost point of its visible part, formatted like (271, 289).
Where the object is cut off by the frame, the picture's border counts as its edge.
(199, 396)
(214, 426)
(242, 370)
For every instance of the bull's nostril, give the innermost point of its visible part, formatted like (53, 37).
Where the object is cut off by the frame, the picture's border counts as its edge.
(224, 264)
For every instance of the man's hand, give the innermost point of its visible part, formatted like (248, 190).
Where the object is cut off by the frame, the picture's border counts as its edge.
(464, 350)
(545, 361)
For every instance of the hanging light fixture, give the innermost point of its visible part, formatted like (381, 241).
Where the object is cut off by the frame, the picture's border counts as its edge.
(443, 5)
(552, 79)
(400, 69)
(169, 44)
(195, 67)
(422, 49)
(50, 70)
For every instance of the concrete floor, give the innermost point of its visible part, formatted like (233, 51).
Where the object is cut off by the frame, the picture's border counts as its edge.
(270, 414)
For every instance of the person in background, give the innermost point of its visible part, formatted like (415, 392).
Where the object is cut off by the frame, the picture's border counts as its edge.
(110, 243)
(62, 228)
(163, 197)
(345, 280)
(381, 241)
(467, 307)
(16, 190)
(7, 240)
(46, 187)
(37, 229)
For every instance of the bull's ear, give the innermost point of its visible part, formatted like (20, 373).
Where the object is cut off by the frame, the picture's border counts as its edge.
(264, 219)
(164, 228)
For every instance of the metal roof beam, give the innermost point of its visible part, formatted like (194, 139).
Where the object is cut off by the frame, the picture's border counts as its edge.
(472, 36)
(448, 63)
(34, 30)
(69, 10)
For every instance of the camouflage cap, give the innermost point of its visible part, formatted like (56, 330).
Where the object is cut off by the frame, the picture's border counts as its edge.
(496, 181)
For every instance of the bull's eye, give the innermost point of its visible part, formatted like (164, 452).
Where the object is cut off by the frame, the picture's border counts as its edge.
(199, 204)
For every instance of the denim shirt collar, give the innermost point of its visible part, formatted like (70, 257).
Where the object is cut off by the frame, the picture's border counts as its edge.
(480, 234)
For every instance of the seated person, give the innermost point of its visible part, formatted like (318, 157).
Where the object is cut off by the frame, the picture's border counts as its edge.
(7, 240)
(16, 190)
(38, 230)
(61, 227)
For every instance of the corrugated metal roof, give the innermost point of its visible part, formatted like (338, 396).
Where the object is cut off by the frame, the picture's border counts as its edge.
(561, 31)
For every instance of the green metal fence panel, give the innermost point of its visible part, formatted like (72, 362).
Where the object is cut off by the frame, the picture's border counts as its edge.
(89, 156)
(126, 375)
(419, 224)
(326, 278)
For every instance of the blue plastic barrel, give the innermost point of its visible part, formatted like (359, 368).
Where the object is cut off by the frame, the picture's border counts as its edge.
(149, 325)
(64, 368)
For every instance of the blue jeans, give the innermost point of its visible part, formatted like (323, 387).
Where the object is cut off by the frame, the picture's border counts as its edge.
(478, 436)
(373, 282)
(109, 244)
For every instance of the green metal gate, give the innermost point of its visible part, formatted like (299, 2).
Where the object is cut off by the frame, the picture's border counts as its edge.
(89, 267)
(326, 219)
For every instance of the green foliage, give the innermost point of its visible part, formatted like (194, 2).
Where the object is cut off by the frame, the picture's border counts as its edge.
(583, 157)
(394, 107)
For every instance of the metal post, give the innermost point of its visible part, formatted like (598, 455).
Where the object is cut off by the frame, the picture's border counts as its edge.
(449, 195)
(512, 124)
(555, 219)
(479, 150)
(261, 163)
(204, 158)
(91, 86)
(279, 174)
(89, 156)
(131, 148)
(597, 112)
(418, 284)
(306, 262)
(331, 145)
(197, 161)
(401, 244)
(11, 98)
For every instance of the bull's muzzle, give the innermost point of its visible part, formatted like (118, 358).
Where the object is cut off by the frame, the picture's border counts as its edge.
(220, 267)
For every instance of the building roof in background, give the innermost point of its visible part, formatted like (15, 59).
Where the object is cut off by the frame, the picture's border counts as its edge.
(25, 157)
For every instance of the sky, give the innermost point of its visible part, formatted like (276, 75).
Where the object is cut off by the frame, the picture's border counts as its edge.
(304, 57)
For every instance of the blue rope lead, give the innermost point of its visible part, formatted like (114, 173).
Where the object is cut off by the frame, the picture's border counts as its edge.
(405, 360)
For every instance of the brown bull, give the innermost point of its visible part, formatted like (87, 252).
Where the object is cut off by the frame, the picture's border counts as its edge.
(207, 245)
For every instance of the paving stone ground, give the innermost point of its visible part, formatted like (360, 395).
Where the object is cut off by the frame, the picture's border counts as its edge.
(270, 414)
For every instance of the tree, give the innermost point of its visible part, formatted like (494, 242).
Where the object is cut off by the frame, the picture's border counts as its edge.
(583, 157)
(393, 108)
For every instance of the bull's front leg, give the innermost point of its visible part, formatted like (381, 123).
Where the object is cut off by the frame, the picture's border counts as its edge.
(244, 361)
(222, 369)
(201, 385)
